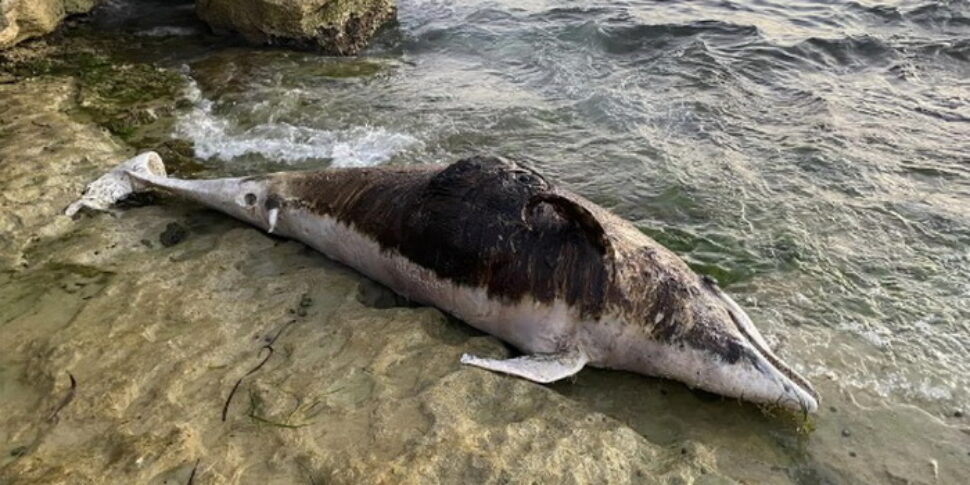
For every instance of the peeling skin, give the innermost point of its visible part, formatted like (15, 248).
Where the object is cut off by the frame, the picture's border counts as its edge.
(498, 246)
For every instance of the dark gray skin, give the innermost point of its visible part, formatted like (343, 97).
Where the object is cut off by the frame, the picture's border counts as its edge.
(497, 245)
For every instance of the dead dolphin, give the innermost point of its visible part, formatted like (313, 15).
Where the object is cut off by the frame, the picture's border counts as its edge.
(500, 247)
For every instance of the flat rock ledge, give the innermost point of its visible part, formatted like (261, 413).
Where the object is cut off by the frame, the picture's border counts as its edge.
(120, 352)
(337, 27)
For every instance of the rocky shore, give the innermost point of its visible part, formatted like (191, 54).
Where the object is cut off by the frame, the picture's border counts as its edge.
(338, 27)
(158, 333)
(165, 343)
(169, 344)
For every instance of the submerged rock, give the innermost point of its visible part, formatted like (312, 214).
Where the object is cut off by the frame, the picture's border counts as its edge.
(23, 19)
(340, 27)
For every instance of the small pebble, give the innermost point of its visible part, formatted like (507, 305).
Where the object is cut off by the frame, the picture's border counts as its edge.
(852, 454)
(173, 234)
(846, 433)
(832, 408)
(957, 414)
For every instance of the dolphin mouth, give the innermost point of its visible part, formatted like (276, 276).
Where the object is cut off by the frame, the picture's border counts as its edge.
(798, 393)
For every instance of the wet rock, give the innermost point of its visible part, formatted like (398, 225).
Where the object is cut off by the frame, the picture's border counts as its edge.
(80, 6)
(339, 27)
(55, 153)
(131, 100)
(375, 295)
(173, 234)
(24, 19)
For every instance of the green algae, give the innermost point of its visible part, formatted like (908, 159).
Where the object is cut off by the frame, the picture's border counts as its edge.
(132, 100)
(124, 98)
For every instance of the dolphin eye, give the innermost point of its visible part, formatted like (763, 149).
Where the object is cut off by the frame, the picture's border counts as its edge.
(250, 198)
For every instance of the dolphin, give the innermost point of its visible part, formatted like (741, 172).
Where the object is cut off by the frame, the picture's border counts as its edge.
(494, 243)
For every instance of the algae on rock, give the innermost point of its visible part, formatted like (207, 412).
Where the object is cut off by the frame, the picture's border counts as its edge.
(133, 101)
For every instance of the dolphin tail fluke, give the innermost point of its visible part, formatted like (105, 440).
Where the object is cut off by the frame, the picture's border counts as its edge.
(542, 368)
(115, 185)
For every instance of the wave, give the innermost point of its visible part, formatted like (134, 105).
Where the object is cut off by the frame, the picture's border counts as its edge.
(852, 52)
(617, 36)
(214, 136)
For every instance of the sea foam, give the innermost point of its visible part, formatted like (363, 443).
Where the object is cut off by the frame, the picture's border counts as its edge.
(216, 136)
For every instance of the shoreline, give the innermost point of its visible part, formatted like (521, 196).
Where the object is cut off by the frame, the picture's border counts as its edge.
(156, 336)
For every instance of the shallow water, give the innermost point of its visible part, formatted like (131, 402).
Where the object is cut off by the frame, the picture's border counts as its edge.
(812, 156)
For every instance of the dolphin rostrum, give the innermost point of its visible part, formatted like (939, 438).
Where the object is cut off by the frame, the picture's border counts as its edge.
(498, 246)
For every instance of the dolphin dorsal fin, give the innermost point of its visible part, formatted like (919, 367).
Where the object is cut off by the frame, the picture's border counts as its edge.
(578, 215)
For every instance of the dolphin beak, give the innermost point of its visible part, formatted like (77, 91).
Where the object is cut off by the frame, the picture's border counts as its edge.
(773, 381)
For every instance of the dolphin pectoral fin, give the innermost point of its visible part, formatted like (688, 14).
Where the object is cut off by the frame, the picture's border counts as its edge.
(542, 368)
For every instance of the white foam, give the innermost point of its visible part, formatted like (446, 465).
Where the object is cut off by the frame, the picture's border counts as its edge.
(167, 31)
(215, 136)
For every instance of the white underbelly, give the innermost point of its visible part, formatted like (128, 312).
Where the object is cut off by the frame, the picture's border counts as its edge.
(527, 324)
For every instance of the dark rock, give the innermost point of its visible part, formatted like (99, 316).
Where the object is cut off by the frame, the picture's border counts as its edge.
(173, 234)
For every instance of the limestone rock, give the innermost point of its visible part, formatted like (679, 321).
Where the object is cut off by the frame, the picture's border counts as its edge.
(23, 19)
(340, 27)
(79, 6)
